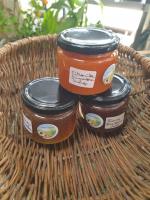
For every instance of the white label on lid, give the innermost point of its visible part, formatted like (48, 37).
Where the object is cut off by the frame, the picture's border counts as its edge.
(27, 123)
(113, 122)
(82, 78)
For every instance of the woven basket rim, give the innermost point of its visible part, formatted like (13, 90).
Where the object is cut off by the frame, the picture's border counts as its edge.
(144, 61)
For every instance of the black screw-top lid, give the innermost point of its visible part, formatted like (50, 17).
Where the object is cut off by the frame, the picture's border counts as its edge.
(88, 40)
(46, 96)
(120, 89)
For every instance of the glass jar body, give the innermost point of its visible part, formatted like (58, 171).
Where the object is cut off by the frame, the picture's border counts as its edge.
(104, 118)
(86, 74)
(49, 128)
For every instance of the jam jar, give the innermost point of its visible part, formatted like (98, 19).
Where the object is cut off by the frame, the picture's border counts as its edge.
(87, 59)
(107, 112)
(49, 111)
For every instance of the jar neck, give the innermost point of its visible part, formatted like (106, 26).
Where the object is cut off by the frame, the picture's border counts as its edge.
(95, 56)
(110, 105)
(50, 114)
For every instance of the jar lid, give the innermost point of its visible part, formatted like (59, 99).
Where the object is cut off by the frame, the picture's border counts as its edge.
(46, 96)
(88, 40)
(120, 89)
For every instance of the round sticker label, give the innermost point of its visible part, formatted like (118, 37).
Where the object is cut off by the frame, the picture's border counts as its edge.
(94, 120)
(47, 131)
(108, 74)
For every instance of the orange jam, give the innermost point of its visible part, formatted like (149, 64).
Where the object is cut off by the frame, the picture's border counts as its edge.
(86, 60)
(49, 111)
(107, 112)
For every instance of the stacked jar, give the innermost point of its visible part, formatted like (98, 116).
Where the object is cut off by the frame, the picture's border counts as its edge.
(87, 59)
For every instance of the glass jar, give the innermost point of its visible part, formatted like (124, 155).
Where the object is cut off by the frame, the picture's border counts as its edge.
(87, 59)
(49, 111)
(107, 112)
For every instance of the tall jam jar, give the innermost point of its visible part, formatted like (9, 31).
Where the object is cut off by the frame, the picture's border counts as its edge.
(86, 59)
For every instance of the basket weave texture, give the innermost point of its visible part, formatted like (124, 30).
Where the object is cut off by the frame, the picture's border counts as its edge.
(86, 166)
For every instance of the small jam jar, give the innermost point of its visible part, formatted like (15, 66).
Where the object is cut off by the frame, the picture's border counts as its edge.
(86, 59)
(106, 112)
(49, 111)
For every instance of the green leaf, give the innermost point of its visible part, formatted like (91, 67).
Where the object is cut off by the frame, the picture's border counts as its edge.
(80, 2)
(49, 22)
(71, 3)
(80, 15)
(36, 4)
(58, 5)
(66, 23)
(23, 12)
(11, 20)
(2, 22)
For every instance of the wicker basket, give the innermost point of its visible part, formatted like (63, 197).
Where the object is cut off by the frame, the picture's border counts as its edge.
(85, 166)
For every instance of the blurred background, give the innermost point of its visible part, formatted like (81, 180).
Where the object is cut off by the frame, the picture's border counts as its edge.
(130, 19)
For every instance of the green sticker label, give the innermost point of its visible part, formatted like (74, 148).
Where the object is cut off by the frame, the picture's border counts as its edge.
(94, 120)
(47, 131)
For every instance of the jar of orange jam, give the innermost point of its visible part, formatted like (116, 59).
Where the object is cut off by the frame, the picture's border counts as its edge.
(87, 59)
(49, 111)
(106, 112)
